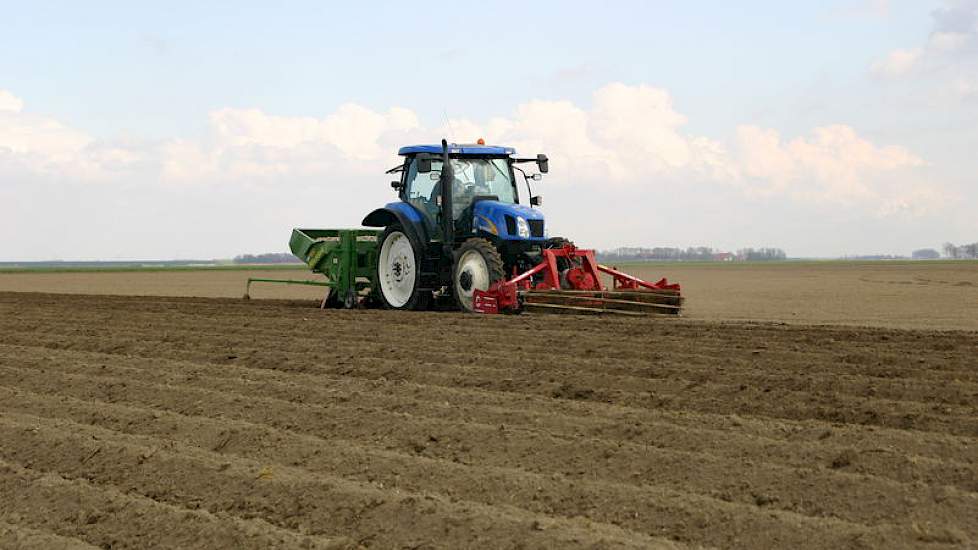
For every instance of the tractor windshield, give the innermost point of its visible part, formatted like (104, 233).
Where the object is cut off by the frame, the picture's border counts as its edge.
(482, 177)
(473, 177)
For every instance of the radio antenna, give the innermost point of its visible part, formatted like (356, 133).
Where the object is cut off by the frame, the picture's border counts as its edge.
(448, 122)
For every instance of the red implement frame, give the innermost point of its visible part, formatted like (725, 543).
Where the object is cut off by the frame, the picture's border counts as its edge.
(581, 282)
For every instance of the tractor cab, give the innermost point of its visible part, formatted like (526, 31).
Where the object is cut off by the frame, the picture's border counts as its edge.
(473, 179)
(485, 195)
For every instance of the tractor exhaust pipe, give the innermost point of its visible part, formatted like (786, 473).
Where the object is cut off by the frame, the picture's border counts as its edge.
(447, 180)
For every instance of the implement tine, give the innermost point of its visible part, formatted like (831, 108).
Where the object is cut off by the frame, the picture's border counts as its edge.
(635, 303)
(576, 310)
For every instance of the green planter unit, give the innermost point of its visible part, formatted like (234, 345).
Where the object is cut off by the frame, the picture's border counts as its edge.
(346, 257)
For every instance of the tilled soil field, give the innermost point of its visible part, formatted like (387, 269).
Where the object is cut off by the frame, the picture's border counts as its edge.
(130, 422)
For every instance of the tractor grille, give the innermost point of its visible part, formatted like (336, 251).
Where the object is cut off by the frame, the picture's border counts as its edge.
(510, 225)
(536, 226)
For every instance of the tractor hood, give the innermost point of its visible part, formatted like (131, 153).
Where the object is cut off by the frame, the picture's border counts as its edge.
(504, 221)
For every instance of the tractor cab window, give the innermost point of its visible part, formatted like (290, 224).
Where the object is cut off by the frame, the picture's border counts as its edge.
(420, 191)
(474, 177)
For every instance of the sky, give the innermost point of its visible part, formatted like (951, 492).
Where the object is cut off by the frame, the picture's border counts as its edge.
(136, 130)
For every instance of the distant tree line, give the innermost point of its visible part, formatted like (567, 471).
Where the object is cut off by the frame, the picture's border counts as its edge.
(925, 254)
(659, 253)
(761, 254)
(963, 252)
(270, 258)
(874, 257)
(697, 253)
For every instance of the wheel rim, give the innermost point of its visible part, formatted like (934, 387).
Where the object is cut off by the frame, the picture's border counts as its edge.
(396, 269)
(472, 273)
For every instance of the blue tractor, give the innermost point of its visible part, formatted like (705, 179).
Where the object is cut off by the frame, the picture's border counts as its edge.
(458, 226)
(459, 237)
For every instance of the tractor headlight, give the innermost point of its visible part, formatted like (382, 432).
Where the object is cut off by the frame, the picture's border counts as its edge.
(522, 228)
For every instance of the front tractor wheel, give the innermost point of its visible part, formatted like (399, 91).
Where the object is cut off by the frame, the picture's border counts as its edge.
(398, 272)
(477, 265)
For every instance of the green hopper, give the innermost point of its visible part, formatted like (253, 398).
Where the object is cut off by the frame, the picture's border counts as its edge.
(346, 257)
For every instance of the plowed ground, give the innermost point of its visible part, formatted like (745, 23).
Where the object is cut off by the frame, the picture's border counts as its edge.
(131, 422)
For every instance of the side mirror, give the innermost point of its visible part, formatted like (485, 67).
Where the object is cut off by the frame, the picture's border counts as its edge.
(424, 164)
(543, 163)
(396, 185)
(536, 201)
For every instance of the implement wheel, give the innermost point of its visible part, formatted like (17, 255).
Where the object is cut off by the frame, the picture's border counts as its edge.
(331, 300)
(477, 265)
(398, 271)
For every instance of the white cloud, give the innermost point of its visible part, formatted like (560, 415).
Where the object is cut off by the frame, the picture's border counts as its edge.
(353, 129)
(640, 123)
(633, 136)
(10, 102)
(834, 164)
(898, 62)
(914, 202)
(626, 159)
(33, 135)
(35, 144)
(630, 136)
(27, 135)
(948, 53)
(248, 143)
(630, 133)
(948, 41)
(40, 145)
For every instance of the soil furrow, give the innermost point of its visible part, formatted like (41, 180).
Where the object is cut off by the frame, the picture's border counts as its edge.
(554, 495)
(552, 416)
(905, 349)
(289, 497)
(901, 361)
(680, 369)
(80, 507)
(933, 445)
(18, 537)
(141, 421)
(822, 492)
(768, 401)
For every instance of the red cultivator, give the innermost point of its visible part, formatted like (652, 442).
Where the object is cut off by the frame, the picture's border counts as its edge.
(568, 280)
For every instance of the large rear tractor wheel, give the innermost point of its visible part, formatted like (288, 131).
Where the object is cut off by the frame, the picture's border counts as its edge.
(398, 271)
(477, 265)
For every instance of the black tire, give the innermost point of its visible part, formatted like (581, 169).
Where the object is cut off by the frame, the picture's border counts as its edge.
(331, 301)
(350, 300)
(418, 299)
(463, 276)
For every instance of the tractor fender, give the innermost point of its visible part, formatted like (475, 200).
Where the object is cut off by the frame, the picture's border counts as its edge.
(403, 214)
